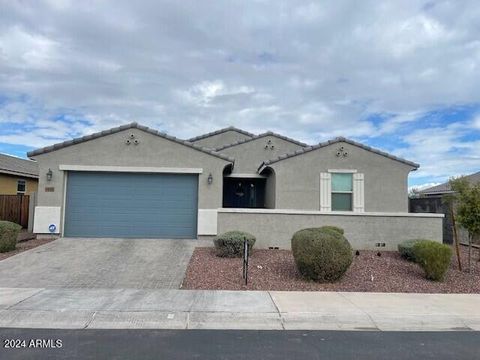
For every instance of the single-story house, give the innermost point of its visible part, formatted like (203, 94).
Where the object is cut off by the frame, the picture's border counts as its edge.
(430, 201)
(17, 176)
(443, 189)
(133, 181)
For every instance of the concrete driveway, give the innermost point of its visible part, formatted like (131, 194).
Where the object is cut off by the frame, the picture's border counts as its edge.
(100, 263)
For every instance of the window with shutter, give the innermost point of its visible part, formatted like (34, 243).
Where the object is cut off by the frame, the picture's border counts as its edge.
(325, 192)
(358, 193)
(342, 190)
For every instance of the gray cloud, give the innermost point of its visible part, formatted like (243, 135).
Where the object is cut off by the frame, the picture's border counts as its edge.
(309, 70)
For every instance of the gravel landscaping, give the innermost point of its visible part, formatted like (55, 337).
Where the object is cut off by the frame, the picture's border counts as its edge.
(275, 270)
(25, 245)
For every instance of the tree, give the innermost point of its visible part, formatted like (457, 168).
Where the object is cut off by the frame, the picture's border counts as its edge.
(467, 209)
(449, 201)
(413, 193)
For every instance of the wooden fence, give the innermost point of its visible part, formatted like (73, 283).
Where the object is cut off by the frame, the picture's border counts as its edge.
(14, 208)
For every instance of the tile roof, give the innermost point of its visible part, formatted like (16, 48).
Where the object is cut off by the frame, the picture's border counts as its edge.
(268, 133)
(133, 125)
(221, 131)
(445, 187)
(17, 166)
(334, 141)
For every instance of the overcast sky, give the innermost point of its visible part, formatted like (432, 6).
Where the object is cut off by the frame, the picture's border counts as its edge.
(402, 76)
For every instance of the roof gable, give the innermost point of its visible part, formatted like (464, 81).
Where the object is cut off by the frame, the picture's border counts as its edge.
(133, 125)
(334, 141)
(17, 166)
(221, 131)
(268, 133)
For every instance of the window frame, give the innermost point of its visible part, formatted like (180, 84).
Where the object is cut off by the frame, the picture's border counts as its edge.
(332, 192)
(19, 192)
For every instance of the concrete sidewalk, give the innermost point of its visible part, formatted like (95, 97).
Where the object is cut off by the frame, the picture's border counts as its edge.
(189, 309)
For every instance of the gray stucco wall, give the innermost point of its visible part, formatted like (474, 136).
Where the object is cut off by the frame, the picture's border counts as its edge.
(250, 155)
(111, 150)
(270, 190)
(298, 178)
(363, 231)
(227, 137)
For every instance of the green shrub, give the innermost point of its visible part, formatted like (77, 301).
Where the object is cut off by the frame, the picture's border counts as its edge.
(405, 248)
(230, 244)
(333, 228)
(433, 257)
(8, 235)
(321, 254)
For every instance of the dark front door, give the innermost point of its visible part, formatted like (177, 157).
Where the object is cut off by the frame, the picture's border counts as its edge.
(243, 193)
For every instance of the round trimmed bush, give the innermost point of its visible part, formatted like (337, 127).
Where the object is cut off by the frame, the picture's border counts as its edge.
(334, 229)
(230, 244)
(8, 235)
(405, 248)
(320, 254)
(433, 257)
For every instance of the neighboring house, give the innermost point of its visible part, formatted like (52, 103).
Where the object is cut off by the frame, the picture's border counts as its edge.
(442, 189)
(430, 201)
(17, 176)
(133, 181)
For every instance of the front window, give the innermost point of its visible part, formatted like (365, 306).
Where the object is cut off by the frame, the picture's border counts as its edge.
(21, 187)
(342, 192)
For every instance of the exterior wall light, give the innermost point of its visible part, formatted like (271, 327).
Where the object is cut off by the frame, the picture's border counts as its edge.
(49, 175)
(210, 179)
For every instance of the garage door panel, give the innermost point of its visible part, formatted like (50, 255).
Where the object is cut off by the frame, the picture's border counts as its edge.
(129, 221)
(131, 205)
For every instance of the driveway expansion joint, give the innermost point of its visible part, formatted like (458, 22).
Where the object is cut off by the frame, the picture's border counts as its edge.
(282, 320)
(27, 298)
(87, 324)
(363, 311)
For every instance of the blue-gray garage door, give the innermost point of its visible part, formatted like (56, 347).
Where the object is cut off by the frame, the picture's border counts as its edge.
(131, 205)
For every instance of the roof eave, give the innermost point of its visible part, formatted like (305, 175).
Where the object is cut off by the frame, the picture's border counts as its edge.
(259, 136)
(220, 131)
(436, 192)
(18, 173)
(133, 125)
(308, 149)
(262, 167)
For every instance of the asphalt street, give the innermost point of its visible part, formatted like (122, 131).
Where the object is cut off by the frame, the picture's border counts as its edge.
(236, 344)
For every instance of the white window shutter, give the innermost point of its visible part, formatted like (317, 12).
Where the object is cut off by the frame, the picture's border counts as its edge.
(358, 193)
(325, 192)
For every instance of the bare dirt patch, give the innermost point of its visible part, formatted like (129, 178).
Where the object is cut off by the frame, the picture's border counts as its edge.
(275, 270)
(25, 245)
